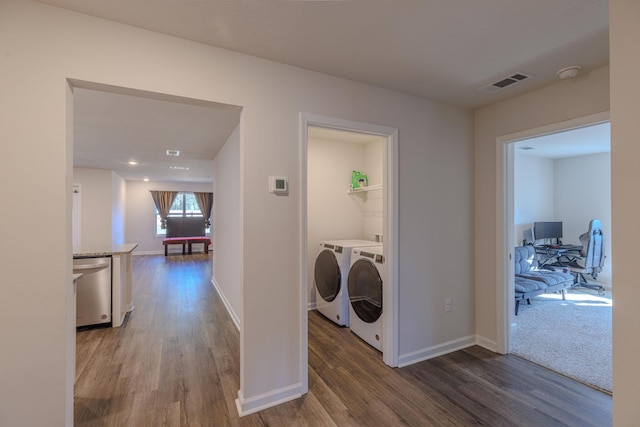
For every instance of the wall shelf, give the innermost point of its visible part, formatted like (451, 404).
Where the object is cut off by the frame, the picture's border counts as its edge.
(368, 201)
(364, 189)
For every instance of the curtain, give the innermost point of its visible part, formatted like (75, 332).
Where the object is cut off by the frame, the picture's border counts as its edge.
(163, 201)
(205, 203)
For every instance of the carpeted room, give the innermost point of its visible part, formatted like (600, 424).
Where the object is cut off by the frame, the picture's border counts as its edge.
(571, 336)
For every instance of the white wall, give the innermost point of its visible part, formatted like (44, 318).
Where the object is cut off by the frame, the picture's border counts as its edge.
(374, 161)
(103, 194)
(97, 210)
(227, 225)
(582, 193)
(534, 186)
(625, 177)
(140, 221)
(119, 192)
(435, 212)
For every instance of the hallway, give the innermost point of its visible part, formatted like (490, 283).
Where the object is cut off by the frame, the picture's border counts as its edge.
(175, 362)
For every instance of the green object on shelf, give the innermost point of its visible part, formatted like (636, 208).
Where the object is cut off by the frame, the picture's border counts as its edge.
(359, 180)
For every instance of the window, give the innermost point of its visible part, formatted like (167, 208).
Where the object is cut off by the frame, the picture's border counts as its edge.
(185, 204)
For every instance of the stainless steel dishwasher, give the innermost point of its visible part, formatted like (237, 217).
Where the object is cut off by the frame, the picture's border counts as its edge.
(93, 292)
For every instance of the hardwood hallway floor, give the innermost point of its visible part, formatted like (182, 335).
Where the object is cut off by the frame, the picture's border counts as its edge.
(175, 362)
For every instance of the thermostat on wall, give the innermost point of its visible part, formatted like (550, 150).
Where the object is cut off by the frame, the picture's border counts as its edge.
(278, 185)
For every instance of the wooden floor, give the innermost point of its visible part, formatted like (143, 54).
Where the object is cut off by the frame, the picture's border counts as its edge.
(175, 362)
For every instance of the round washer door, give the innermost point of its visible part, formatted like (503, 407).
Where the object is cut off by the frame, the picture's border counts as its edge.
(327, 275)
(365, 290)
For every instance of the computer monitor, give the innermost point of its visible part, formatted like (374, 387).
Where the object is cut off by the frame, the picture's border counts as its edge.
(548, 230)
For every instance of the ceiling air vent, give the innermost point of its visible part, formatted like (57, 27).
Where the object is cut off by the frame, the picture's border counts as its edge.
(507, 81)
(173, 153)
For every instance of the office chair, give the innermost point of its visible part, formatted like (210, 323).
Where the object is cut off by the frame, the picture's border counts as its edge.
(591, 258)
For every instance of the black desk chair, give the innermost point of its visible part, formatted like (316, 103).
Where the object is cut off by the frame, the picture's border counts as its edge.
(591, 257)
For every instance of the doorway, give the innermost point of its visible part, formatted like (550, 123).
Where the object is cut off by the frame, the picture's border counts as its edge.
(153, 120)
(388, 211)
(563, 202)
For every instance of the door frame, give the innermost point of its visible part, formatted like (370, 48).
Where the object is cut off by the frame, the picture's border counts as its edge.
(390, 332)
(505, 217)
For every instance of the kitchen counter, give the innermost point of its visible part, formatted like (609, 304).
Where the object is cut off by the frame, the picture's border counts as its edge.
(121, 276)
(125, 248)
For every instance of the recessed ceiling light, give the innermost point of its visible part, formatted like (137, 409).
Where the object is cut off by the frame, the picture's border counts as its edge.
(133, 162)
(146, 180)
(175, 153)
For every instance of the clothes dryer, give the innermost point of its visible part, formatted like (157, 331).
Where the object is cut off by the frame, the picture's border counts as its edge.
(330, 278)
(365, 286)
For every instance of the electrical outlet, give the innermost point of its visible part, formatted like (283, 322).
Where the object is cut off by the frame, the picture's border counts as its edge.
(448, 305)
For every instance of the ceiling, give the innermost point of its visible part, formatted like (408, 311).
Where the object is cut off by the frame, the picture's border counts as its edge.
(448, 51)
(112, 129)
(571, 143)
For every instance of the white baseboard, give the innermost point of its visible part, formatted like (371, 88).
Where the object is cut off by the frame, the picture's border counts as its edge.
(435, 351)
(232, 313)
(487, 343)
(267, 400)
(311, 306)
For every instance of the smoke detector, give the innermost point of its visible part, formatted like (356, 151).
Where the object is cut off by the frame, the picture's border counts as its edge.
(569, 72)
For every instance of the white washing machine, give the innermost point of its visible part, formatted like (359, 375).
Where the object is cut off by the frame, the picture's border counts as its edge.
(330, 278)
(365, 285)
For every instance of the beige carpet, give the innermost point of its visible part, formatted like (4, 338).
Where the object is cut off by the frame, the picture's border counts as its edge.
(572, 337)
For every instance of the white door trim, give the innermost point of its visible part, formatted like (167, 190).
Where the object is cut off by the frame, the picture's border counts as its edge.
(390, 233)
(504, 219)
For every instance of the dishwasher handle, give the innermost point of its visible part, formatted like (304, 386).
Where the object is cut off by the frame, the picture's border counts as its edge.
(89, 268)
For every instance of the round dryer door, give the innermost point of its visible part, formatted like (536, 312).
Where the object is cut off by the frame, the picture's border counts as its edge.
(327, 275)
(365, 290)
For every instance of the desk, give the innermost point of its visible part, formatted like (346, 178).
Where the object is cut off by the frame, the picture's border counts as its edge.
(548, 254)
